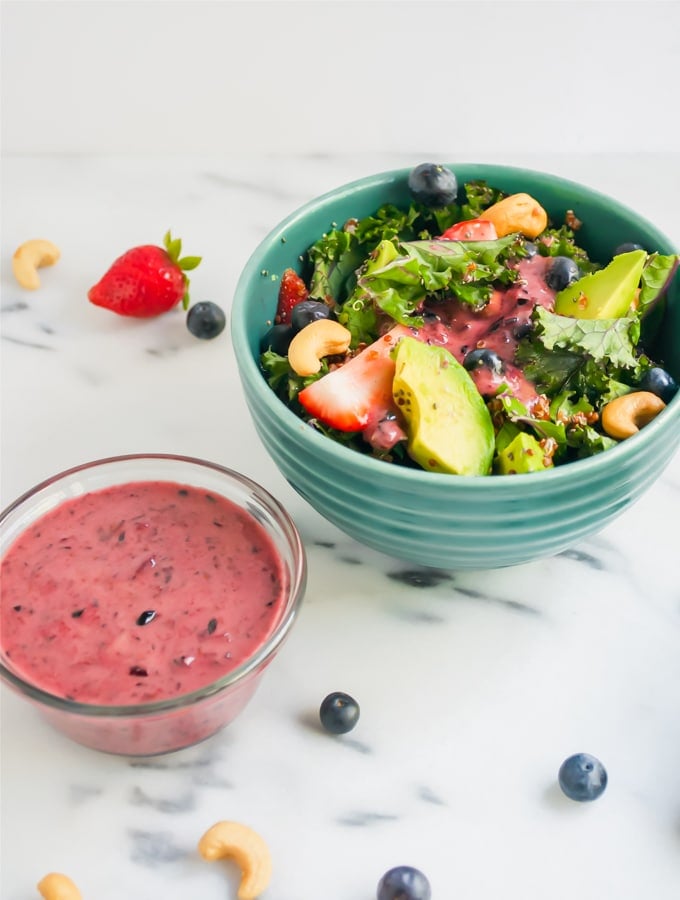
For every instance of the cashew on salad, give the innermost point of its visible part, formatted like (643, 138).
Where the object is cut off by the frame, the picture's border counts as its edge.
(469, 334)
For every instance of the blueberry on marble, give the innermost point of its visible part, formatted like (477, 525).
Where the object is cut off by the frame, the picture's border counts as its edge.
(307, 311)
(404, 883)
(206, 320)
(582, 777)
(339, 713)
(563, 271)
(660, 382)
(433, 185)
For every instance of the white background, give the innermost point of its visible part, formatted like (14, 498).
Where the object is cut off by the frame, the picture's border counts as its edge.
(458, 78)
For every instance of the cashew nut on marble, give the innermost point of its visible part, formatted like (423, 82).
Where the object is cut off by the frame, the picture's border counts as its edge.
(518, 212)
(56, 886)
(247, 848)
(31, 256)
(324, 337)
(626, 415)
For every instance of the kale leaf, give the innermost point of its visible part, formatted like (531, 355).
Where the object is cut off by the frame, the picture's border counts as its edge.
(656, 277)
(607, 341)
(561, 242)
(400, 276)
(334, 257)
(479, 195)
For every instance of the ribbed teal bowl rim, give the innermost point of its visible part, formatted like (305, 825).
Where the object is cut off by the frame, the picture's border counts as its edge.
(441, 520)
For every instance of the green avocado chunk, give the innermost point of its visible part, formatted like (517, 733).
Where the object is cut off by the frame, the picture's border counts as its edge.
(606, 294)
(522, 454)
(448, 425)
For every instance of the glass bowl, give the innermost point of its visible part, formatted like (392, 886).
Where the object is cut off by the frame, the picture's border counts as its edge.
(143, 597)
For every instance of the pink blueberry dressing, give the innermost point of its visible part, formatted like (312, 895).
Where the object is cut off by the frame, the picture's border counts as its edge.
(137, 593)
(461, 329)
(497, 327)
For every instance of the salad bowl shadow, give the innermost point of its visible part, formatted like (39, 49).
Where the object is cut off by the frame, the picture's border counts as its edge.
(440, 520)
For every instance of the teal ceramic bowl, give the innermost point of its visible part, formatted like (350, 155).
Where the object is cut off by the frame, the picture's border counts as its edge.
(445, 521)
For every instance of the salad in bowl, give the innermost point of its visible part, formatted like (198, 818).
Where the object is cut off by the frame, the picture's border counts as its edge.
(400, 353)
(469, 331)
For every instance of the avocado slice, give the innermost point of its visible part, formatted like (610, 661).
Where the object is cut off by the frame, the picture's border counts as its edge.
(522, 454)
(448, 425)
(605, 294)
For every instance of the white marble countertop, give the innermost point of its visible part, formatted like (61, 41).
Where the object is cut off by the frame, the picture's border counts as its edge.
(473, 688)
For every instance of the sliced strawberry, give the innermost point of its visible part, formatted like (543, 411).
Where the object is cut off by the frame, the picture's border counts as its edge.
(292, 291)
(471, 230)
(360, 391)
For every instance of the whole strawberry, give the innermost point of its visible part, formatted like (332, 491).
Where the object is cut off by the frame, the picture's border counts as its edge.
(146, 281)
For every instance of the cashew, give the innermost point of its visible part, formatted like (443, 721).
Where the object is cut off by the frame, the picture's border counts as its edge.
(30, 257)
(248, 849)
(58, 887)
(324, 337)
(518, 212)
(625, 416)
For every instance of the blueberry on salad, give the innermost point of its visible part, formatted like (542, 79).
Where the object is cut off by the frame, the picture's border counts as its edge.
(404, 883)
(660, 382)
(582, 777)
(433, 185)
(206, 320)
(482, 358)
(307, 311)
(339, 713)
(472, 333)
(627, 247)
(563, 271)
(278, 339)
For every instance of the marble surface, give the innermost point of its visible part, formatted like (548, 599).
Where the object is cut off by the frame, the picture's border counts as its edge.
(473, 687)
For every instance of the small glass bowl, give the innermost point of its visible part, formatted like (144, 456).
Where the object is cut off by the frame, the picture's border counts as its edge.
(149, 729)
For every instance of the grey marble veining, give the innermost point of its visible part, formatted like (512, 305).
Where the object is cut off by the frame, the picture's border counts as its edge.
(473, 686)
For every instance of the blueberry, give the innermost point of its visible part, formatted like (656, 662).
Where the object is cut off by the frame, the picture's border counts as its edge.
(278, 339)
(433, 185)
(484, 359)
(206, 320)
(562, 272)
(522, 330)
(660, 382)
(627, 247)
(339, 713)
(404, 883)
(308, 311)
(582, 777)
(530, 248)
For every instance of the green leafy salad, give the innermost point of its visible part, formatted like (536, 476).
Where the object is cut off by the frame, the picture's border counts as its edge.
(468, 334)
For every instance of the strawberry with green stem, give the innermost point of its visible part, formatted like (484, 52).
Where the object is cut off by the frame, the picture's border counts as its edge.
(146, 281)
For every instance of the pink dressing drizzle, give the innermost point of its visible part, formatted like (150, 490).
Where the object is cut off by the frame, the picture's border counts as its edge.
(498, 327)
